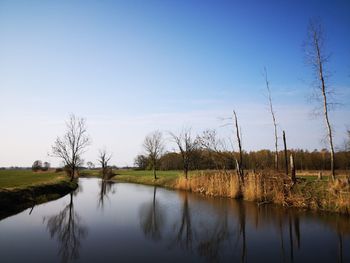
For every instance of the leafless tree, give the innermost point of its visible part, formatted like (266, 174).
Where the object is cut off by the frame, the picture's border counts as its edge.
(215, 146)
(316, 57)
(187, 146)
(103, 159)
(285, 153)
(239, 162)
(37, 165)
(72, 145)
(154, 147)
(90, 165)
(273, 117)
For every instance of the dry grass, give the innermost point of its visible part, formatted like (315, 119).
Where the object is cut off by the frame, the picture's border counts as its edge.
(270, 187)
(213, 184)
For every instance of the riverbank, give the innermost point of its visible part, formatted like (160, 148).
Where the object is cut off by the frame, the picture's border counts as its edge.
(21, 189)
(260, 187)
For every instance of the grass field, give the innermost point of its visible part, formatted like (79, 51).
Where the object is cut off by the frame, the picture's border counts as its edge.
(24, 178)
(164, 178)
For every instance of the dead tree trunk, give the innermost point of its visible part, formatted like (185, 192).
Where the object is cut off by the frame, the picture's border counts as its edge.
(292, 169)
(285, 153)
(318, 59)
(273, 119)
(240, 161)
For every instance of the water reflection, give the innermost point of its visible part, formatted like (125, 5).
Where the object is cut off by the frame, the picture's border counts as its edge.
(169, 226)
(106, 187)
(183, 227)
(152, 218)
(217, 229)
(67, 228)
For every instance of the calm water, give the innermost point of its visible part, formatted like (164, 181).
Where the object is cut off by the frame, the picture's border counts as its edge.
(134, 223)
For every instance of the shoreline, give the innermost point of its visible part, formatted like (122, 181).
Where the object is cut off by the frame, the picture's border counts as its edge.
(16, 200)
(318, 197)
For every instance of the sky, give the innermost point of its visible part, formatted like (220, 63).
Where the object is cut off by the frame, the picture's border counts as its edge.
(132, 67)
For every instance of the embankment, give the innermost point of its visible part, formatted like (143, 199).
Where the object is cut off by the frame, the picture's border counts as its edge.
(15, 200)
(262, 188)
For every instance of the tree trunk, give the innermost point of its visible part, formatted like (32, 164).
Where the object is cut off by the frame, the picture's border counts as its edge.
(292, 169)
(325, 103)
(285, 153)
(72, 174)
(240, 162)
(154, 173)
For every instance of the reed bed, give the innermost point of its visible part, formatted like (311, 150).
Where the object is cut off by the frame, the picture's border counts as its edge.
(270, 187)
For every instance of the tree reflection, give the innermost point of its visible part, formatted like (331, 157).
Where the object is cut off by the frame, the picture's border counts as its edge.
(212, 246)
(242, 224)
(105, 188)
(152, 218)
(66, 228)
(184, 236)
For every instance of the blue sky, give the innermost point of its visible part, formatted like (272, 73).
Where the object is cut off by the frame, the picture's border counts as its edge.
(130, 67)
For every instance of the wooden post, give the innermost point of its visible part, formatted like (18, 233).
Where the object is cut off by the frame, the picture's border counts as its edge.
(292, 169)
(285, 153)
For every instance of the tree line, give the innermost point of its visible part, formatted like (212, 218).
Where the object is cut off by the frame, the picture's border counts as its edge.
(262, 159)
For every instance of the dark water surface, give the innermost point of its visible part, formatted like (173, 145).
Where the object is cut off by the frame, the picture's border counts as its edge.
(109, 222)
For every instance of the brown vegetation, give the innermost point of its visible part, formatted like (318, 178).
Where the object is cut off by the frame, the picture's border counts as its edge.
(271, 187)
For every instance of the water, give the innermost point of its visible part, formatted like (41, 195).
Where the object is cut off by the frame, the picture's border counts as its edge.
(108, 222)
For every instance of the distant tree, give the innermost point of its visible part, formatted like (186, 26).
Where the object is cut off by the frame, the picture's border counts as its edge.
(141, 162)
(37, 165)
(72, 145)
(214, 150)
(170, 161)
(90, 165)
(154, 147)
(46, 166)
(316, 57)
(103, 159)
(187, 147)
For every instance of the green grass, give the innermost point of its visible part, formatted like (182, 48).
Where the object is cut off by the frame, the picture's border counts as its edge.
(164, 178)
(24, 178)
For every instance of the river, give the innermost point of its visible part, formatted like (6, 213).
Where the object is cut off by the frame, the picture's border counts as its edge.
(120, 222)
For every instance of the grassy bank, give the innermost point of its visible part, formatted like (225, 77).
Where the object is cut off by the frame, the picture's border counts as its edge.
(20, 189)
(261, 187)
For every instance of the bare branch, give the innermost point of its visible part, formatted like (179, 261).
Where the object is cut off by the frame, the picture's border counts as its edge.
(72, 145)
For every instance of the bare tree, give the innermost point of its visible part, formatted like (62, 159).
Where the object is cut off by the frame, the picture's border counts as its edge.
(187, 146)
(154, 147)
(72, 145)
(239, 162)
(285, 153)
(215, 146)
(316, 57)
(103, 159)
(90, 165)
(273, 118)
(37, 165)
